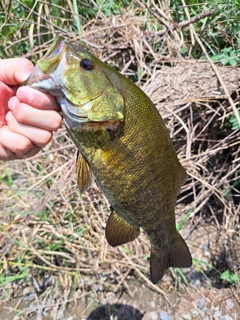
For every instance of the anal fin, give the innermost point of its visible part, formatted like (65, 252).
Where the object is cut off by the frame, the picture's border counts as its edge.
(119, 231)
(85, 176)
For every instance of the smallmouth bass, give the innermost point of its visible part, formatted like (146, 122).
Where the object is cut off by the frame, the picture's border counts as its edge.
(124, 144)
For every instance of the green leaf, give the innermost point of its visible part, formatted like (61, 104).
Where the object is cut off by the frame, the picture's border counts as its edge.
(230, 277)
(182, 222)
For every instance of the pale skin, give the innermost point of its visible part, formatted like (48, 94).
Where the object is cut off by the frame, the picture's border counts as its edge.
(27, 117)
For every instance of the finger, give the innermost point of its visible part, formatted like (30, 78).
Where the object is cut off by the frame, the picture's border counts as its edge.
(36, 135)
(37, 99)
(15, 70)
(15, 146)
(50, 120)
(5, 154)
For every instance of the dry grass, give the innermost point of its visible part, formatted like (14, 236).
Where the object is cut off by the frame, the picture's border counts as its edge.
(53, 237)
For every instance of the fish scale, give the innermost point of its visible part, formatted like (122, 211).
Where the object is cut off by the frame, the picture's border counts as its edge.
(122, 142)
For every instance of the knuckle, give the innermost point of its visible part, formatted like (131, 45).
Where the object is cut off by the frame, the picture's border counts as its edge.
(22, 145)
(54, 121)
(45, 138)
(57, 122)
(23, 61)
(19, 114)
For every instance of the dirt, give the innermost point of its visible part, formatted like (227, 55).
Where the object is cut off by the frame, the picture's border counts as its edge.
(203, 298)
(195, 303)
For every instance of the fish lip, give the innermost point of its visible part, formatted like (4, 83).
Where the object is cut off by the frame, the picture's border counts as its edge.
(42, 82)
(85, 122)
(63, 102)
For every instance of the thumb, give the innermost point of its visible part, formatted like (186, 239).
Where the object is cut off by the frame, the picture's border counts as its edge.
(23, 72)
(15, 70)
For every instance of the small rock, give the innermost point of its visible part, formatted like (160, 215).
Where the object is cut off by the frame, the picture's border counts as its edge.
(153, 315)
(226, 317)
(164, 316)
(187, 316)
(26, 291)
(201, 313)
(201, 303)
(153, 304)
(45, 313)
(216, 308)
(217, 315)
(29, 297)
(194, 312)
(229, 304)
(103, 301)
(206, 318)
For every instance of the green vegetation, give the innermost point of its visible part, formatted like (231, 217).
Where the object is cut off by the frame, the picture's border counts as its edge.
(228, 56)
(233, 122)
(38, 21)
(180, 225)
(230, 277)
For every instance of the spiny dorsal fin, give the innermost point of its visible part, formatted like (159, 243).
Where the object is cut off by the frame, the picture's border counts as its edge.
(85, 176)
(119, 231)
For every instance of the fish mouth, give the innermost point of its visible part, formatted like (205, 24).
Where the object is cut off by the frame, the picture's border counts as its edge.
(84, 113)
(73, 112)
(75, 115)
(46, 69)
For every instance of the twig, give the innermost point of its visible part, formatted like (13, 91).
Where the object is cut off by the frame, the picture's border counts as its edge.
(187, 22)
(61, 268)
(219, 78)
(162, 13)
(200, 16)
(8, 247)
(189, 18)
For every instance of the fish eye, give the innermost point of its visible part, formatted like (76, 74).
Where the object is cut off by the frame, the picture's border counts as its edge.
(86, 64)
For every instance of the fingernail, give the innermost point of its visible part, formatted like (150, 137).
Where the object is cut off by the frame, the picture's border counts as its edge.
(23, 76)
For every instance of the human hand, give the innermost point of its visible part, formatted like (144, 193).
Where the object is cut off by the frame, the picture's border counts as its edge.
(27, 116)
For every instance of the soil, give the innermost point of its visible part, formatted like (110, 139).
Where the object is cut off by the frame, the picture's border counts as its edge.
(205, 297)
(195, 303)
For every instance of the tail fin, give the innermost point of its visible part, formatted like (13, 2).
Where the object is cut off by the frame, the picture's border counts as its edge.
(177, 256)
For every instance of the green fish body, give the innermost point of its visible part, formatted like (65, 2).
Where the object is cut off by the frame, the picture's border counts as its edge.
(123, 143)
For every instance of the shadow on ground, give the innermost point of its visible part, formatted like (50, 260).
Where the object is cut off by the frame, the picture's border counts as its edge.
(110, 311)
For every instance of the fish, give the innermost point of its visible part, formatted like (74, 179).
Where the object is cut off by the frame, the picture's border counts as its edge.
(123, 144)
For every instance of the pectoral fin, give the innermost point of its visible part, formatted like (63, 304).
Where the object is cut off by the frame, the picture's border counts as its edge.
(85, 176)
(119, 231)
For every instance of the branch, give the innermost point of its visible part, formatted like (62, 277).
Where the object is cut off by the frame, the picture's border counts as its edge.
(187, 22)
(196, 18)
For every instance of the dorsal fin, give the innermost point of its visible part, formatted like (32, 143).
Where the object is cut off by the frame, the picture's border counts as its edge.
(119, 231)
(85, 176)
